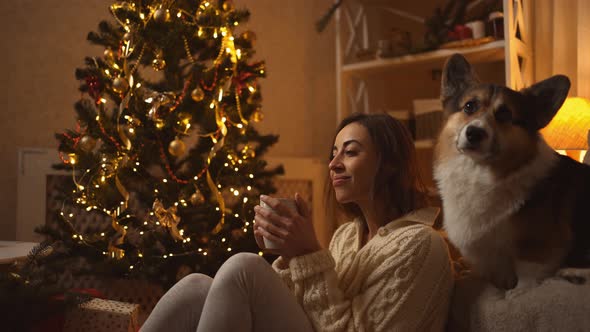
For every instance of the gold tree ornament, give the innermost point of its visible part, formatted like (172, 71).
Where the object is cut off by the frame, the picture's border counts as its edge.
(257, 116)
(162, 15)
(158, 63)
(228, 6)
(159, 123)
(198, 94)
(109, 54)
(120, 85)
(177, 147)
(87, 143)
(72, 158)
(197, 198)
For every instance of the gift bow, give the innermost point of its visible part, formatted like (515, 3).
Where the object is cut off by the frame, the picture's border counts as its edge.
(168, 218)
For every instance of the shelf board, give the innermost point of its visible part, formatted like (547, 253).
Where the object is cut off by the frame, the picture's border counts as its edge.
(489, 52)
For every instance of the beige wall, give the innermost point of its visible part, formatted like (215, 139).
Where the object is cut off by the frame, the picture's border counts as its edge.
(44, 41)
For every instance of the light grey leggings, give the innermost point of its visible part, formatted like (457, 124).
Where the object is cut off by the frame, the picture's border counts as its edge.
(246, 295)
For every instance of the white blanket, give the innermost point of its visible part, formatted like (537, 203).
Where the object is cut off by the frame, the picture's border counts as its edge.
(554, 305)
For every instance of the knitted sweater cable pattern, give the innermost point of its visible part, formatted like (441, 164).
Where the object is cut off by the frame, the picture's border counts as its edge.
(401, 280)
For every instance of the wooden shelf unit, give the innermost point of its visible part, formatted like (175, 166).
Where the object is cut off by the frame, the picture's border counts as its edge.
(490, 52)
(391, 84)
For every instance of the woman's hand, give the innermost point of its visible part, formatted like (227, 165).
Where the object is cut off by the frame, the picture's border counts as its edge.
(259, 239)
(292, 230)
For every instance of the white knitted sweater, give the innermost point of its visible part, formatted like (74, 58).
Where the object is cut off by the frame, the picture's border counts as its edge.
(401, 280)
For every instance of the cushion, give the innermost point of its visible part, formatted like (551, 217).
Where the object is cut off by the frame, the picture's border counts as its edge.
(554, 305)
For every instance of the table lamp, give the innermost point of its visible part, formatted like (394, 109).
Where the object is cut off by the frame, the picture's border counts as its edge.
(567, 133)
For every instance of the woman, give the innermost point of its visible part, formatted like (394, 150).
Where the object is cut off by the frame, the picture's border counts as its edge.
(387, 270)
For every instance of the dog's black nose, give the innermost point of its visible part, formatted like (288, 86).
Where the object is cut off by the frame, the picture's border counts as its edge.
(475, 134)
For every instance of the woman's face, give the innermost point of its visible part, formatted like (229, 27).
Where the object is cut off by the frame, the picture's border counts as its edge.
(354, 165)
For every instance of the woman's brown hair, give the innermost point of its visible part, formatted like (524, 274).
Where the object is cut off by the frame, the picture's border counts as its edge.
(397, 177)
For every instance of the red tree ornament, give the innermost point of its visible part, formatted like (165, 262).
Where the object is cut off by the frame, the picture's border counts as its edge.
(94, 87)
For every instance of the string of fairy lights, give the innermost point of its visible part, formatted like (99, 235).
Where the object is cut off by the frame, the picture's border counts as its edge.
(121, 66)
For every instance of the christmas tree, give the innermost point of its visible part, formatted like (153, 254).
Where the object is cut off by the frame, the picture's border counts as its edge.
(165, 161)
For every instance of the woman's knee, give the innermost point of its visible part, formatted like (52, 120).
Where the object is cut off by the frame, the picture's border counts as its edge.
(243, 262)
(193, 285)
(196, 279)
(180, 308)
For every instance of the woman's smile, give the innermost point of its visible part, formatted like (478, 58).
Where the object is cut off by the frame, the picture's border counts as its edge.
(339, 180)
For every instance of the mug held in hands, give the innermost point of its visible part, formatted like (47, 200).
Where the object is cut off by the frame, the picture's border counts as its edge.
(289, 203)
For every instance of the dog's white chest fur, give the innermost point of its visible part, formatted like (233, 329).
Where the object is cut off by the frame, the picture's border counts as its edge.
(476, 202)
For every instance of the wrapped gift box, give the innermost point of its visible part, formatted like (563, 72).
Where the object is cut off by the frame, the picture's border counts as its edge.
(98, 315)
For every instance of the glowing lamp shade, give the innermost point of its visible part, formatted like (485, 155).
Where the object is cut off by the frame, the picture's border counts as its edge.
(569, 128)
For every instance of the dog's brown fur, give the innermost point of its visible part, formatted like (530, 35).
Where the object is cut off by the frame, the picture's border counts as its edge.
(515, 209)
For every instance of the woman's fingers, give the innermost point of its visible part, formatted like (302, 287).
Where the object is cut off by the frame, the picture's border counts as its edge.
(273, 217)
(258, 236)
(269, 227)
(270, 236)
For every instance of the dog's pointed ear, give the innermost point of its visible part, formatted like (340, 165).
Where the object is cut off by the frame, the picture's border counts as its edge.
(457, 76)
(546, 98)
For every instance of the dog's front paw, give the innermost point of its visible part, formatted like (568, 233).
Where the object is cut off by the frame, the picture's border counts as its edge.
(515, 292)
(575, 276)
(523, 286)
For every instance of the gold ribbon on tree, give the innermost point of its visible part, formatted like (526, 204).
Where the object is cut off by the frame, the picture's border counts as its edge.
(228, 45)
(214, 189)
(168, 218)
(114, 251)
(121, 130)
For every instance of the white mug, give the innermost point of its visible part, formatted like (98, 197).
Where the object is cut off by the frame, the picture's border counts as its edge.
(478, 29)
(289, 203)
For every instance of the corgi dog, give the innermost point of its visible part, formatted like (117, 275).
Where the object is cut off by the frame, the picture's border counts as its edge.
(516, 210)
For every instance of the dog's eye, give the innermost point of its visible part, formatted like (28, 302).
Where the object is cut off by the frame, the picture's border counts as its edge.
(470, 107)
(503, 114)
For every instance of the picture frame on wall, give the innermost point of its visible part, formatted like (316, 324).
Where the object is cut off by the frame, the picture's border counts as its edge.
(37, 181)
